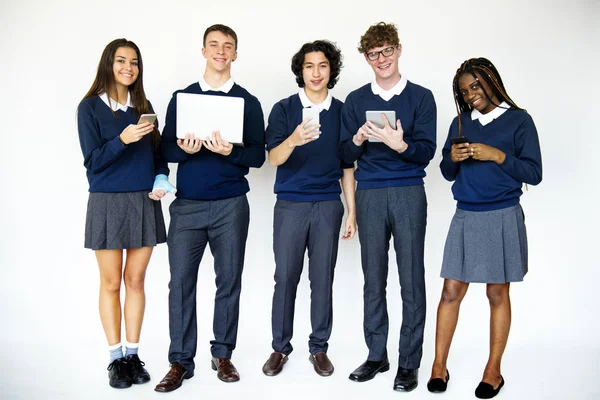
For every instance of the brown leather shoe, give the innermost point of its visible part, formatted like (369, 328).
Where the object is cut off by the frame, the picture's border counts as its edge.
(225, 370)
(274, 364)
(322, 365)
(173, 378)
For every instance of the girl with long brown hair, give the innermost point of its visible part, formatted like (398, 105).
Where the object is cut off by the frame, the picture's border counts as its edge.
(124, 215)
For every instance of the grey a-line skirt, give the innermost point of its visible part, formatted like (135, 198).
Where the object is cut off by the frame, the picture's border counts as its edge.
(486, 246)
(123, 221)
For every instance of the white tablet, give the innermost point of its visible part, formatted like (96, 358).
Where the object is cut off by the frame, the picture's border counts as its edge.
(201, 114)
(376, 118)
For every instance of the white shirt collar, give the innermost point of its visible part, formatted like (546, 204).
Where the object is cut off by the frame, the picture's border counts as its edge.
(485, 119)
(225, 88)
(388, 94)
(307, 103)
(114, 105)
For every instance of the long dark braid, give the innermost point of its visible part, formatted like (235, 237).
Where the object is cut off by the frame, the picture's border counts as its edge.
(489, 73)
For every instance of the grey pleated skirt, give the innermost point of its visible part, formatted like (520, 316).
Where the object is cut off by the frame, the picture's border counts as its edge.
(486, 246)
(123, 221)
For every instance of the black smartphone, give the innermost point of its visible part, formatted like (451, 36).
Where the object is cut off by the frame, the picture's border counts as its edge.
(459, 139)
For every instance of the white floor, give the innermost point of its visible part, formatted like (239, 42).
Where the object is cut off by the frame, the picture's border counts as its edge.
(537, 371)
(544, 359)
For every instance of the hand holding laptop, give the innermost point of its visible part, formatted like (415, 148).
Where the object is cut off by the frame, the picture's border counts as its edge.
(190, 144)
(216, 144)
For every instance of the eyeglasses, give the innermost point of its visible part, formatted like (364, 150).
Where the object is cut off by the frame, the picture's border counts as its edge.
(388, 51)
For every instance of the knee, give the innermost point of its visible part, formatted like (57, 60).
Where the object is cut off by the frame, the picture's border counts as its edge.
(111, 284)
(134, 282)
(285, 277)
(497, 295)
(452, 294)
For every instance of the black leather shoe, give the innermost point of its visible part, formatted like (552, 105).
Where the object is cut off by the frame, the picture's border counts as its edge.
(368, 369)
(118, 374)
(406, 379)
(438, 385)
(137, 372)
(487, 391)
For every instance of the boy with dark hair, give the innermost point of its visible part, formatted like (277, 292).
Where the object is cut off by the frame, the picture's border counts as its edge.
(390, 199)
(308, 213)
(211, 208)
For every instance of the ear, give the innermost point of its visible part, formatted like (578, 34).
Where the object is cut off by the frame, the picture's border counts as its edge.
(234, 57)
(204, 52)
(399, 49)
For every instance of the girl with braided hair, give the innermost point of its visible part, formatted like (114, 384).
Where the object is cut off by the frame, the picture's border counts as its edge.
(498, 152)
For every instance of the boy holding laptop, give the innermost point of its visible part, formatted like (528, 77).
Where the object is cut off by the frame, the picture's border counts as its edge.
(390, 198)
(211, 207)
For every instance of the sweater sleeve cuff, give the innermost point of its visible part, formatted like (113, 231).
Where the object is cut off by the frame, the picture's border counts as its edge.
(235, 154)
(409, 152)
(508, 163)
(353, 149)
(116, 145)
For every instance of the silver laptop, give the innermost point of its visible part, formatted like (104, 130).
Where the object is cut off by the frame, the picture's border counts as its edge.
(201, 114)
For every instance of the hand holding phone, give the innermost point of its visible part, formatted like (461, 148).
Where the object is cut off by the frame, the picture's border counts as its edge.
(459, 140)
(313, 113)
(460, 153)
(147, 118)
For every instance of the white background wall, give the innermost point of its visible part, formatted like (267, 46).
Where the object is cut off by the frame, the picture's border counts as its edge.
(51, 340)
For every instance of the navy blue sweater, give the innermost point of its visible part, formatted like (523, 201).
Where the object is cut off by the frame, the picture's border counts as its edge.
(211, 176)
(313, 171)
(378, 165)
(485, 185)
(111, 166)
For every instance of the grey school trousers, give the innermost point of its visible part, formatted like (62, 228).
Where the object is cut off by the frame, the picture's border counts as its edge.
(298, 226)
(223, 225)
(400, 212)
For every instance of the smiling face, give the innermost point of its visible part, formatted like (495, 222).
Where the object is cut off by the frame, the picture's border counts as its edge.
(125, 66)
(316, 72)
(385, 67)
(477, 93)
(219, 51)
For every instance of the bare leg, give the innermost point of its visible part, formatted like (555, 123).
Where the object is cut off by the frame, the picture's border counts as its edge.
(135, 297)
(500, 317)
(110, 264)
(447, 318)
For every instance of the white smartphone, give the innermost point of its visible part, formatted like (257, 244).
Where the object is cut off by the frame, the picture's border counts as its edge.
(147, 118)
(377, 120)
(311, 112)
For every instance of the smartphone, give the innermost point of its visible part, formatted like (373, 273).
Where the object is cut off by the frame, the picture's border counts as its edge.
(377, 120)
(459, 139)
(147, 118)
(311, 112)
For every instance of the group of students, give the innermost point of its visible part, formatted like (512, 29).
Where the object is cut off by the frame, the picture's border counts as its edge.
(492, 148)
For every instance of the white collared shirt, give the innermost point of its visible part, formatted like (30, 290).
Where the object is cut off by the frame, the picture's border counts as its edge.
(307, 103)
(225, 88)
(114, 105)
(388, 94)
(485, 119)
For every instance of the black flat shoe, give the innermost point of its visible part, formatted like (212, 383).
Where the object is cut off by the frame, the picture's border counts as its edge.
(406, 379)
(118, 374)
(368, 370)
(438, 385)
(137, 372)
(487, 391)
